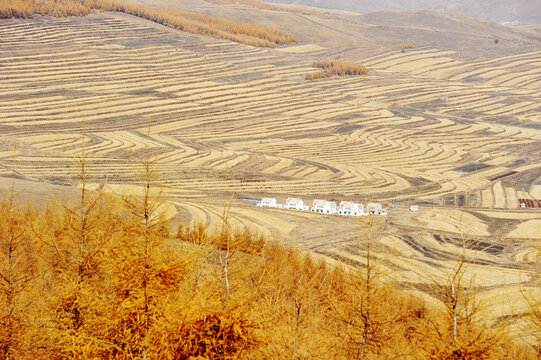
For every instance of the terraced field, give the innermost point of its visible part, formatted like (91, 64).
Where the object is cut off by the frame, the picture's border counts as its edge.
(217, 103)
(425, 126)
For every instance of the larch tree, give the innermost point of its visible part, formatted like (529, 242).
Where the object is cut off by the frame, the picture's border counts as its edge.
(17, 268)
(370, 314)
(145, 274)
(533, 300)
(462, 331)
(74, 241)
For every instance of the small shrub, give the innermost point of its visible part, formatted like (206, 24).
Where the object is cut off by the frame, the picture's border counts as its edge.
(336, 67)
(217, 336)
(405, 46)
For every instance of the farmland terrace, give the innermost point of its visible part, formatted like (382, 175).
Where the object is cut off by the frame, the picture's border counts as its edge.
(423, 124)
(429, 124)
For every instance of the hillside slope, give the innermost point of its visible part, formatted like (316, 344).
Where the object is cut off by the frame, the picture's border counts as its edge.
(246, 33)
(111, 286)
(352, 36)
(450, 123)
(518, 11)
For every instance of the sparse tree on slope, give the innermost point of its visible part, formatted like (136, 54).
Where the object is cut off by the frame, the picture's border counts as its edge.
(462, 331)
(17, 267)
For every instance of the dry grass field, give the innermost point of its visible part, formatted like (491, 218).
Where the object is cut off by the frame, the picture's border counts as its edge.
(427, 125)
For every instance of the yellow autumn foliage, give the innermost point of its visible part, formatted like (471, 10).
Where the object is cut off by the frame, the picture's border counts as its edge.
(160, 294)
(110, 277)
(336, 67)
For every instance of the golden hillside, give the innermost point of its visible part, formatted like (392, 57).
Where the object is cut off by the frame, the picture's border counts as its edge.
(243, 32)
(449, 123)
(105, 278)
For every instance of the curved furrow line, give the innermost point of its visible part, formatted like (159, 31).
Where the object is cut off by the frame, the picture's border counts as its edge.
(94, 59)
(387, 61)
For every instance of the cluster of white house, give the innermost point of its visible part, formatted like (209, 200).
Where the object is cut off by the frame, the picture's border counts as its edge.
(327, 207)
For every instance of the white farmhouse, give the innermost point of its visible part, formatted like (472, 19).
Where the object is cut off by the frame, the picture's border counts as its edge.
(268, 202)
(382, 212)
(350, 208)
(414, 208)
(373, 208)
(324, 206)
(294, 203)
(332, 207)
(318, 205)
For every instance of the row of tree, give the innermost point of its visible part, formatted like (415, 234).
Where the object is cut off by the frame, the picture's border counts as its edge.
(242, 32)
(29, 8)
(108, 278)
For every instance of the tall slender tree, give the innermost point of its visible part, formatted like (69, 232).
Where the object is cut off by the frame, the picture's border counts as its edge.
(16, 274)
(145, 275)
(462, 331)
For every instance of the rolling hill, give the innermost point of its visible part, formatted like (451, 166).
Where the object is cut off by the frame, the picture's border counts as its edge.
(451, 123)
(500, 11)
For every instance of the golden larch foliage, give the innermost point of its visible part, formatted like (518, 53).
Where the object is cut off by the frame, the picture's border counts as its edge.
(156, 292)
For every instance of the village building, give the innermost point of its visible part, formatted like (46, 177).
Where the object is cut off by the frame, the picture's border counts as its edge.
(324, 206)
(347, 208)
(332, 207)
(268, 202)
(414, 208)
(350, 208)
(294, 203)
(373, 208)
(361, 210)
